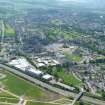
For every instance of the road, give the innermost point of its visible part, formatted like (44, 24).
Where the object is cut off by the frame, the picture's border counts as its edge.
(77, 97)
(54, 89)
(8, 92)
(2, 76)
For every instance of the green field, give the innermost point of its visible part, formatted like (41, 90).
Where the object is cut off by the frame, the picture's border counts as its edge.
(21, 87)
(9, 30)
(73, 57)
(37, 103)
(9, 100)
(55, 33)
(62, 73)
(57, 22)
(78, 103)
(68, 78)
(3, 94)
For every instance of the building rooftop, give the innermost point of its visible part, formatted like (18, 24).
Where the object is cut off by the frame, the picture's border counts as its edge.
(37, 72)
(47, 76)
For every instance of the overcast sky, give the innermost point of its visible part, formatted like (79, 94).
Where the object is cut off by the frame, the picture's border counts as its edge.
(83, 3)
(74, 0)
(90, 3)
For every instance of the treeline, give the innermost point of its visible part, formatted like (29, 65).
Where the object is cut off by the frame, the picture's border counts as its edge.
(98, 61)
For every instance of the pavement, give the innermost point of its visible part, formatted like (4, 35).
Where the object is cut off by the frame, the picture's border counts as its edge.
(2, 76)
(8, 92)
(77, 97)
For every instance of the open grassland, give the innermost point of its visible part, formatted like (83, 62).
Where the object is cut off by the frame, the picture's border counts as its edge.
(68, 78)
(57, 22)
(4, 94)
(38, 103)
(79, 103)
(9, 30)
(63, 101)
(9, 100)
(73, 57)
(21, 87)
(55, 33)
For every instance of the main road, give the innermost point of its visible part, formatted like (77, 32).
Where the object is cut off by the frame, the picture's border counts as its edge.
(51, 88)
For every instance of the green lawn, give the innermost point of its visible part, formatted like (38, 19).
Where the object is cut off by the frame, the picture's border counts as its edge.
(21, 87)
(54, 33)
(57, 22)
(9, 100)
(3, 94)
(37, 103)
(72, 35)
(73, 57)
(68, 78)
(9, 30)
(78, 103)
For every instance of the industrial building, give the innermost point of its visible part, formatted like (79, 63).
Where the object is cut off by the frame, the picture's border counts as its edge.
(24, 66)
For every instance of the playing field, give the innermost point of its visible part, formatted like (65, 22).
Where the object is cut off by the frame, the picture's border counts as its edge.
(38, 103)
(22, 87)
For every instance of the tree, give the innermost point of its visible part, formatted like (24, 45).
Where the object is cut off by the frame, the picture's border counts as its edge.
(81, 103)
(103, 94)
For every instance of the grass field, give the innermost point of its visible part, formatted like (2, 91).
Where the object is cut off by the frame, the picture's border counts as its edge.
(37, 103)
(13, 84)
(9, 30)
(57, 22)
(3, 94)
(21, 87)
(68, 78)
(78, 103)
(73, 57)
(57, 32)
(9, 100)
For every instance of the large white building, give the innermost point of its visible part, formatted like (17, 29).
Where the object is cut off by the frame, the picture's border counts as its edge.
(36, 72)
(23, 65)
(47, 77)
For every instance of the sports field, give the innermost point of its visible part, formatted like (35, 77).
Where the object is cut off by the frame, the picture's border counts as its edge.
(21, 87)
(15, 87)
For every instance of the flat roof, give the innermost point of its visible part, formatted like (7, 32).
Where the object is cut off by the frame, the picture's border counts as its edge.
(22, 68)
(47, 76)
(37, 72)
(20, 62)
(40, 64)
